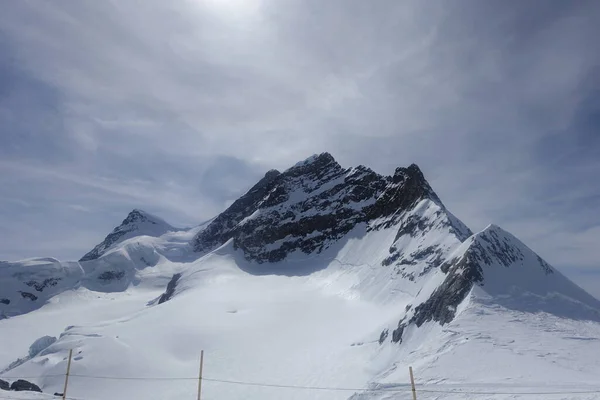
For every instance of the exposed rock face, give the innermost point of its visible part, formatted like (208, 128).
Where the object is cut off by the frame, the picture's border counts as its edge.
(136, 223)
(4, 385)
(22, 385)
(383, 336)
(311, 205)
(461, 275)
(30, 296)
(108, 276)
(500, 265)
(220, 230)
(166, 296)
(40, 286)
(397, 333)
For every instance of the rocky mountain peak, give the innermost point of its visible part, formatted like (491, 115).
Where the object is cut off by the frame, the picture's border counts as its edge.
(137, 215)
(318, 160)
(311, 205)
(272, 174)
(314, 167)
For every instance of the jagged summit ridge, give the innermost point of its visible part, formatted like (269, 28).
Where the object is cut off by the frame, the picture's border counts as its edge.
(311, 205)
(319, 159)
(137, 222)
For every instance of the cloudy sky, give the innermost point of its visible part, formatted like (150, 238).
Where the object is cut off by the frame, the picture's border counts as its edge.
(177, 107)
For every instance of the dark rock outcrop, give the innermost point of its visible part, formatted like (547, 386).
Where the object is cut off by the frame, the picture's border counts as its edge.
(311, 205)
(383, 336)
(108, 276)
(166, 296)
(489, 248)
(40, 286)
(220, 229)
(4, 301)
(461, 275)
(397, 333)
(27, 295)
(4, 385)
(22, 385)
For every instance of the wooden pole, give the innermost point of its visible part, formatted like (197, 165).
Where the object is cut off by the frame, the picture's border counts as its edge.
(64, 396)
(412, 383)
(200, 374)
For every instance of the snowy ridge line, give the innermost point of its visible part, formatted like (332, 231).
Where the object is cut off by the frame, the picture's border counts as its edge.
(407, 389)
(397, 388)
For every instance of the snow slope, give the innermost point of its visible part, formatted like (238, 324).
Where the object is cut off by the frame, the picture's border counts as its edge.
(476, 313)
(521, 319)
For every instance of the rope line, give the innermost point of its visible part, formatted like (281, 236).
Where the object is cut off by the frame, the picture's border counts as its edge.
(504, 393)
(400, 388)
(135, 378)
(49, 396)
(305, 387)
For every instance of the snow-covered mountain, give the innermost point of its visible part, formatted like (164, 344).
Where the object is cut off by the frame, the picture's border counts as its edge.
(137, 223)
(316, 203)
(319, 276)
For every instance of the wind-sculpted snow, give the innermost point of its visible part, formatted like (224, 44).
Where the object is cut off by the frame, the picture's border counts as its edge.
(36, 348)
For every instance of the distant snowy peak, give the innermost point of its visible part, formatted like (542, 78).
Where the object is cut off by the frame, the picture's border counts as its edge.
(113, 265)
(313, 204)
(137, 223)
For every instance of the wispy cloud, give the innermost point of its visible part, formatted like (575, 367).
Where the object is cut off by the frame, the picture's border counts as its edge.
(179, 106)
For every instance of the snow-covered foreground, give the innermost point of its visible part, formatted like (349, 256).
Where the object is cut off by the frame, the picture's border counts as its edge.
(253, 328)
(490, 349)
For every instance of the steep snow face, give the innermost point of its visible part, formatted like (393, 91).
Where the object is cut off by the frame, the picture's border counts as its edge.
(314, 204)
(137, 223)
(517, 278)
(493, 266)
